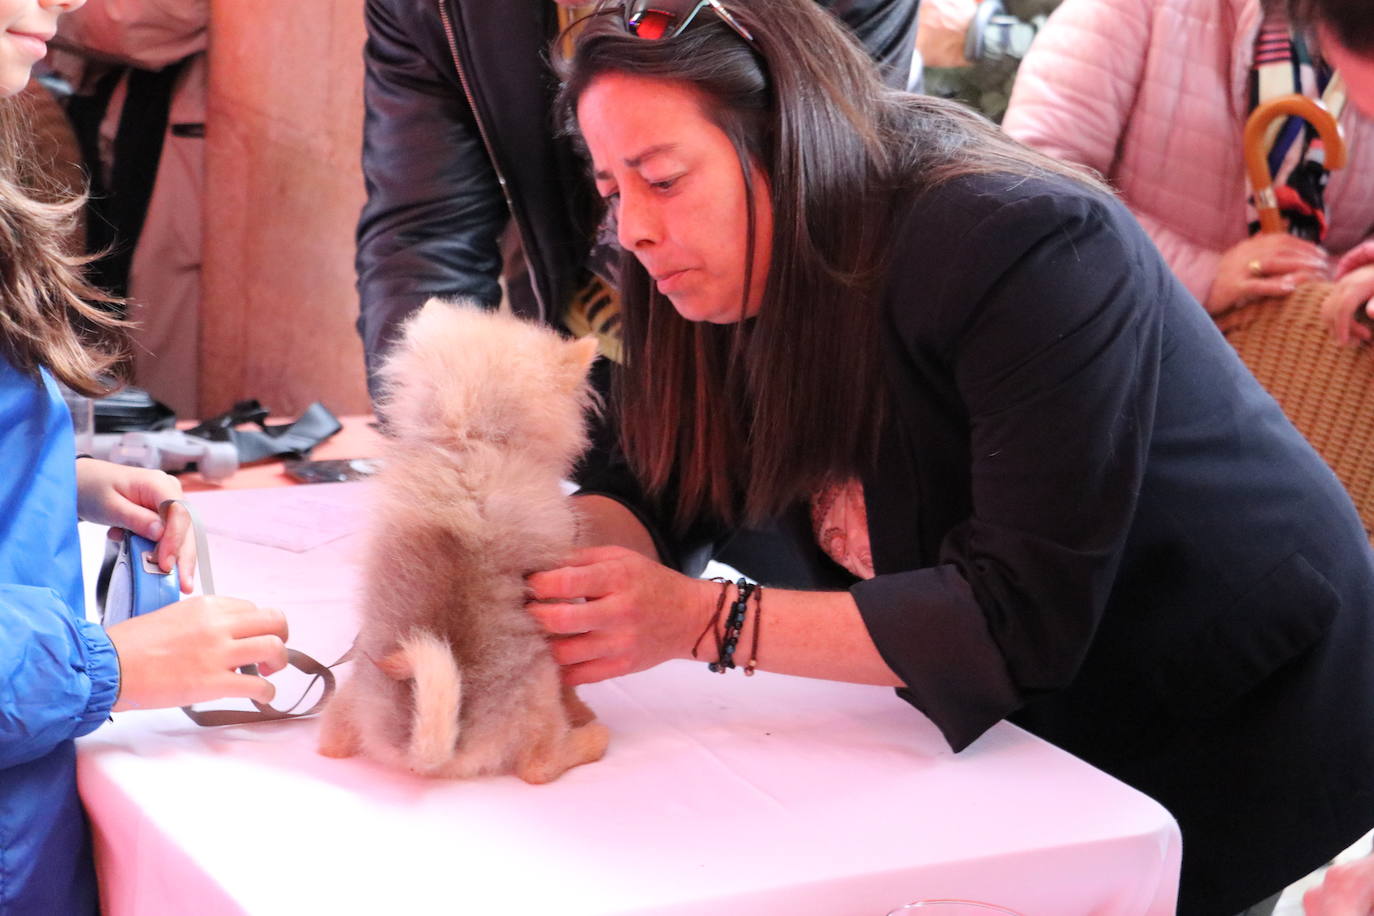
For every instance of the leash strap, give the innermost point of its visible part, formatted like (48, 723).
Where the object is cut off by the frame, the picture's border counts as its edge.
(211, 718)
(296, 659)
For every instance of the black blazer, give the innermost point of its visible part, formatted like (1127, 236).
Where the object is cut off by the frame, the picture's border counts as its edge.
(1088, 518)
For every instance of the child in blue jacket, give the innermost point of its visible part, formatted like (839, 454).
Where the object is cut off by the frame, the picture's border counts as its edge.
(60, 675)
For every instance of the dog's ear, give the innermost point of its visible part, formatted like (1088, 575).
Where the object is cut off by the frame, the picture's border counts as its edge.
(577, 358)
(395, 665)
(582, 353)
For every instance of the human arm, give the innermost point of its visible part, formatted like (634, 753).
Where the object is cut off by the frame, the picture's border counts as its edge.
(1347, 297)
(1049, 333)
(1353, 290)
(639, 613)
(1264, 266)
(603, 521)
(434, 210)
(942, 29)
(187, 652)
(190, 651)
(1346, 890)
(127, 497)
(1044, 345)
(616, 510)
(1078, 97)
(64, 674)
(634, 613)
(61, 673)
(1225, 278)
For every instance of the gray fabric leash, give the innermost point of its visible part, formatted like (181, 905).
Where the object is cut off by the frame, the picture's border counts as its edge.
(296, 659)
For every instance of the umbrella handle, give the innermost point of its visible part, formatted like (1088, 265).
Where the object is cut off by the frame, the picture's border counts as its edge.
(1256, 156)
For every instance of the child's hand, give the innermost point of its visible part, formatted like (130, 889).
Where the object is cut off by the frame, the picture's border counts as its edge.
(189, 652)
(125, 497)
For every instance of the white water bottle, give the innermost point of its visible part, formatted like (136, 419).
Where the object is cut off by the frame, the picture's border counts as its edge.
(82, 410)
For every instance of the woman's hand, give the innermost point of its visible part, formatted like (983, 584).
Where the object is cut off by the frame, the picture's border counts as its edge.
(125, 497)
(942, 31)
(613, 611)
(1263, 267)
(1346, 890)
(1361, 255)
(187, 653)
(1350, 293)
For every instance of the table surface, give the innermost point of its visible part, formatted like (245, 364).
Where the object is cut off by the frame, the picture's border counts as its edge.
(768, 795)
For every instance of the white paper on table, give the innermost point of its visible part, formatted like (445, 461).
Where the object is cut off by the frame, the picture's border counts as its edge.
(298, 518)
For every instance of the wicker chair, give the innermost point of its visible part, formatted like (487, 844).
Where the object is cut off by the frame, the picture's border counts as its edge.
(1326, 390)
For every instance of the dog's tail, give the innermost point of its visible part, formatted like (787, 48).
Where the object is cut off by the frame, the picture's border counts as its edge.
(437, 689)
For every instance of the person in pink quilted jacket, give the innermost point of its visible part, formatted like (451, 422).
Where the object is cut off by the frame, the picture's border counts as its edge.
(1153, 94)
(1345, 29)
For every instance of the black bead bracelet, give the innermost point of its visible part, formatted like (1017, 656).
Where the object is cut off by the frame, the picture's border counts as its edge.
(728, 641)
(734, 626)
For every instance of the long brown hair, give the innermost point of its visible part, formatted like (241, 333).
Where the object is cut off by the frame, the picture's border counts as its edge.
(49, 316)
(743, 420)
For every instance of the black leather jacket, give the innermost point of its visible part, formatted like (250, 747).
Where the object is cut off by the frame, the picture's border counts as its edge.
(458, 139)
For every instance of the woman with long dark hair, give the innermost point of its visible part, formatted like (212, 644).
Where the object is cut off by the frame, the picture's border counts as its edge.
(1057, 496)
(61, 675)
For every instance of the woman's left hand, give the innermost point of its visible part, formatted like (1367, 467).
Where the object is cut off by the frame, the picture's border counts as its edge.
(1349, 294)
(613, 611)
(125, 497)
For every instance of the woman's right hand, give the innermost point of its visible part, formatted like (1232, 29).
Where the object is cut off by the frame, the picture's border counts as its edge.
(188, 653)
(1263, 267)
(613, 611)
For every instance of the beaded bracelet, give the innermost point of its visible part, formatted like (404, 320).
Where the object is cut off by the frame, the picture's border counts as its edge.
(734, 626)
(715, 618)
(728, 641)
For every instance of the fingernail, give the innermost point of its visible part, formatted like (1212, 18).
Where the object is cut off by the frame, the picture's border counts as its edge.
(155, 530)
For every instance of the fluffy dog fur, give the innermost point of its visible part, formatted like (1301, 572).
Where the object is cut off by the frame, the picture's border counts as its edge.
(452, 676)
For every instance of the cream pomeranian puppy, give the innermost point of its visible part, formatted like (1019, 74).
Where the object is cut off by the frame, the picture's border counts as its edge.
(453, 677)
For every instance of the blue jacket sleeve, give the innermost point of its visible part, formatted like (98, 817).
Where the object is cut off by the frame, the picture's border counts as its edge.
(59, 675)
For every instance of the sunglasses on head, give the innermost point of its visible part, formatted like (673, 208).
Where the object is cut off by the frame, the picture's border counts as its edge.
(655, 19)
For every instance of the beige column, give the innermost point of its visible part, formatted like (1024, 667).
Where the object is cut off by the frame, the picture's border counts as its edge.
(282, 194)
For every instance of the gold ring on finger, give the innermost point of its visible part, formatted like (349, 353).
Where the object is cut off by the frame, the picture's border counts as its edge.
(1256, 268)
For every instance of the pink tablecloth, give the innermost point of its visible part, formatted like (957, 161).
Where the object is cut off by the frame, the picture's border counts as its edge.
(771, 795)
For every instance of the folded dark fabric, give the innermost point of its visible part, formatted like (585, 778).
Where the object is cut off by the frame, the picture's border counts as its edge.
(130, 410)
(292, 440)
